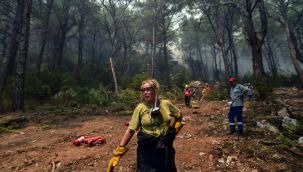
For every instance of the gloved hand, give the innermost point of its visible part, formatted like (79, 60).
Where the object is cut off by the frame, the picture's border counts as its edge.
(118, 153)
(178, 125)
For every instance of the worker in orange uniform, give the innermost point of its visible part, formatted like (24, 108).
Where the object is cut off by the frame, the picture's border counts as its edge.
(206, 91)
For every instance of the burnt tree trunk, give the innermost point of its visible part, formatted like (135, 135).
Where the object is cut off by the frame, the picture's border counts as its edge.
(216, 69)
(272, 65)
(80, 42)
(58, 47)
(114, 74)
(255, 39)
(166, 59)
(18, 102)
(44, 33)
(14, 42)
(293, 51)
(292, 45)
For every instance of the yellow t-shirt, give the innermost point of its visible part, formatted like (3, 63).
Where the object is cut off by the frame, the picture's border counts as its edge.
(156, 125)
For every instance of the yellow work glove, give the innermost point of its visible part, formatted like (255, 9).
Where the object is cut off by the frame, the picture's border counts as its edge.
(118, 153)
(178, 125)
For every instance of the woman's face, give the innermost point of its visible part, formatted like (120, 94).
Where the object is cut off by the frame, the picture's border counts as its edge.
(148, 93)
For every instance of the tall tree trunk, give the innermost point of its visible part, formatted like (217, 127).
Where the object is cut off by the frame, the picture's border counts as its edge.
(166, 60)
(124, 59)
(219, 31)
(292, 45)
(114, 74)
(298, 31)
(80, 42)
(3, 53)
(202, 71)
(45, 32)
(272, 65)
(93, 48)
(14, 42)
(3, 41)
(293, 51)
(234, 59)
(216, 69)
(18, 102)
(296, 46)
(58, 47)
(192, 63)
(255, 39)
(227, 67)
(258, 68)
(153, 52)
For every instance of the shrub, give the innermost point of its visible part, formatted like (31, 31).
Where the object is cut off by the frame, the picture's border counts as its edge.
(81, 95)
(97, 96)
(217, 94)
(6, 102)
(264, 89)
(6, 95)
(128, 97)
(36, 89)
(173, 94)
(136, 81)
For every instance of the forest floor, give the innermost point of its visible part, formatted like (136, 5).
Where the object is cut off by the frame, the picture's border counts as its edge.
(45, 141)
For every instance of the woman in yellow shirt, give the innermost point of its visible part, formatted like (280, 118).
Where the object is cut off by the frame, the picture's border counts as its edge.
(152, 119)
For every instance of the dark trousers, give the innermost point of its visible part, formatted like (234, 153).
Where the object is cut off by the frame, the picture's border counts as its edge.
(156, 154)
(187, 100)
(235, 112)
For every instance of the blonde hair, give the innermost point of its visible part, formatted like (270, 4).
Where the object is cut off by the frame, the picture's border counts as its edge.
(153, 83)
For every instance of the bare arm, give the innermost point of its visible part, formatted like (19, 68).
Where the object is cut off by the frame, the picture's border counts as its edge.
(126, 137)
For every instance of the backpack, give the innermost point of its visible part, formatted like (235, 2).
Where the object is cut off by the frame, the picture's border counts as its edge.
(187, 92)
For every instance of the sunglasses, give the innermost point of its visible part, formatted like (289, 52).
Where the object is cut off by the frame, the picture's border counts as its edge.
(148, 89)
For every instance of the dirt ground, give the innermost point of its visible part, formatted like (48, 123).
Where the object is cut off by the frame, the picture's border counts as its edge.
(202, 145)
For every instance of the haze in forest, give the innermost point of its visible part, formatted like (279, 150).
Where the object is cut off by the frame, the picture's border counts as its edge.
(48, 47)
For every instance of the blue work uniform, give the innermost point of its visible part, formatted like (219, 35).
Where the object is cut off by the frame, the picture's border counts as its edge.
(236, 107)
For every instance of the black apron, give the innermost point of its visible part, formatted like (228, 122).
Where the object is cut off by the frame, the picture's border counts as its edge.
(156, 154)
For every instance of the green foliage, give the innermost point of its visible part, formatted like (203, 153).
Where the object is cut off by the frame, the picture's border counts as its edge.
(285, 81)
(36, 89)
(281, 80)
(6, 130)
(284, 140)
(181, 77)
(126, 113)
(174, 94)
(83, 95)
(6, 102)
(136, 81)
(97, 96)
(217, 94)
(54, 80)
(13, 122)
(65, 87)
(293, 132)
(44, 126)
(264, 89)
(129, 98)
(6, 95)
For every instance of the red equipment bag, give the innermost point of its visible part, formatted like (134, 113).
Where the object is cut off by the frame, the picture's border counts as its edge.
(96, 140)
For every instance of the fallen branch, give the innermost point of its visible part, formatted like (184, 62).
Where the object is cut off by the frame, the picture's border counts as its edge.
(53, 166)
(270, 143)
(295, 151)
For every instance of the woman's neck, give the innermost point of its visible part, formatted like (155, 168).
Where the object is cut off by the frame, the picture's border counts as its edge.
(151, 103)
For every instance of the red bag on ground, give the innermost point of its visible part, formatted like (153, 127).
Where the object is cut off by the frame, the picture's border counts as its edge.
(78, 141)
(91, 141)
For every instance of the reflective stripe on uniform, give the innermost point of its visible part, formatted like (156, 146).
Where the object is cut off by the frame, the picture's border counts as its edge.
(240, 123)
(231, 123)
